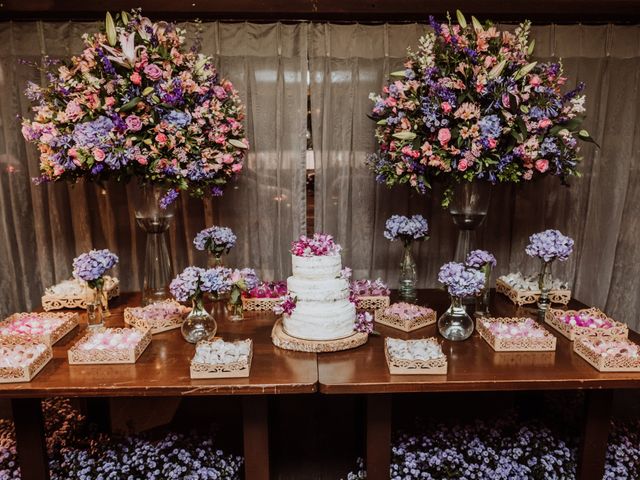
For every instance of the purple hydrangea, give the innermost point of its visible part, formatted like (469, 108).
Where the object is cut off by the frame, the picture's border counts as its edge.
(480, 258)
(460, 280)
(550, 245)
(216, 280)
(91, 266)
(245, 279)
(406, 228)
(186, 285)
(168, 198)
(217, 240)
(364, 323)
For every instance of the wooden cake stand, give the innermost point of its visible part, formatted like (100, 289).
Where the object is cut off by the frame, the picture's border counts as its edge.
(282, 340)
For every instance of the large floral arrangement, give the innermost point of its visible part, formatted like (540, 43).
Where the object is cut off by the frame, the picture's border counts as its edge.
(471, 105)
(136, 103)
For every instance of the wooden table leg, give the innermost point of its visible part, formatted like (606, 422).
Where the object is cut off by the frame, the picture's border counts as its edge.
(255, 419)
(593, 446)
(378, 436)
(30, 441)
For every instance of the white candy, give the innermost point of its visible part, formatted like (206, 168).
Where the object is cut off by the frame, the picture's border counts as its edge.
(221, 352)
(413, 350)
(518, 281)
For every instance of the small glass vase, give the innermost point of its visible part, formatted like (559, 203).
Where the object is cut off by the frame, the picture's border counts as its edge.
(198, 325)
(155, 221)
(455, 324)
(234, 307)
(483, 298)
(95, 307)
(545, 281)
(408, 274)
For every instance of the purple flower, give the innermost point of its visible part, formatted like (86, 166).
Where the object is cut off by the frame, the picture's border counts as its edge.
(480, 258)
(550, 245)
(406, 228)
(186, 285)
(153, 71)
(177, 118)
(244, 279)
(94, 133)
(216, 280)
(133, 123)
(364, 323)
(217, 240)
(286, 306)
(168, 198)
(460, 280)
(92, 266)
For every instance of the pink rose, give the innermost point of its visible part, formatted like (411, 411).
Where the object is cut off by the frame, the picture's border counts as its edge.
(492, 142)
(446, 107)
(73, 111)
(73, 153)
(444, 135)
(236, 167)
(153, 72)
(98, 154)
(463, 165)
(528, 174)
(542, 165)
(161, 138)
(219, 92)
(133, 123)
(109, 102)
(141, 159)
(544, 123)
(535, 81)
(136, 79)
(227, 158)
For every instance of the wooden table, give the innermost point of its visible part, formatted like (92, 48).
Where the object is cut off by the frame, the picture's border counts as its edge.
(163, 370)
(473, 366)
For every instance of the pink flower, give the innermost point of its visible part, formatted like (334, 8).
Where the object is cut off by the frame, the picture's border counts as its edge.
(446, 107)
(528, 175)
(73, 111)
(161, 138)
(219, 92)
(544, 123)
(444, 135)
(542, 165)
(535, 81)
(153, 72)
(141, 159)
(73, 153)
(237, 167)
(463, 165)
(133, 123)
(136, 79)
(492, 142)
(109, 102)
(98, 154)
(227, 158)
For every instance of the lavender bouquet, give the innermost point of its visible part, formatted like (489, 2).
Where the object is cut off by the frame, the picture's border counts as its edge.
(460, 280)
(216, 240)
(91, 266)
(194, 281)
(406, 229)
(480, 259)
(550, 245)
(240, 281)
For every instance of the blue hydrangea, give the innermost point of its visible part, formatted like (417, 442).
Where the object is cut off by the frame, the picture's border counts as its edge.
(92, 266)
(186, 285)
(217, 240)
(490, 126)
(550, 245)
(406, 228)
(177, 118)
(480, 258)
(94, 133)
(216, 280)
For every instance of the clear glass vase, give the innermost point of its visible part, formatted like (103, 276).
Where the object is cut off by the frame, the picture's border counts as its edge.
(408, 274)
(95, 307)
(545, 281)
(198, 325)
(483, 298)
(155, 221)
(236, 311)
(468, 209)
(455, 324)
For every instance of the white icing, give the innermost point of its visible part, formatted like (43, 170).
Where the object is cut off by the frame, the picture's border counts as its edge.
(321, 320)
(319, 290)
(320, 267)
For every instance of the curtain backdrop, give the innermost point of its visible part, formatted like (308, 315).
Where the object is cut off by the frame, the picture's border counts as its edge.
(599, 210)
(42, 228)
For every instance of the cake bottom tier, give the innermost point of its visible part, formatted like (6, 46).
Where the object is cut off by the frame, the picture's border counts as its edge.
(321, 320)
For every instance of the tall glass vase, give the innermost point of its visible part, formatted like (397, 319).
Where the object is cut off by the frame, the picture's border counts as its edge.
(482, 299)
(408, 274)
(468, 209)
(455, 324)
(545, 280)
(198, 325)
(154, 221)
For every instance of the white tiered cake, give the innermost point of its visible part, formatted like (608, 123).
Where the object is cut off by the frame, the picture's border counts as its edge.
(323, 310)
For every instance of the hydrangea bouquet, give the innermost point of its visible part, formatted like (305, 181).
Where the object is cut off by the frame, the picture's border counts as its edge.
(460, 280)
(471, 105)
(91, 267)
(137, 103)
(216, 240)
(240, 281)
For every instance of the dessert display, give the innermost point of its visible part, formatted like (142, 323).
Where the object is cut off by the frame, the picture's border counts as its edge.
(515, 335)
(46, 327)
(370, 294)
(21, 358)
(74, 293)
(589, 322)
(415, 357)
(322, 309)
(110, 345)
(219, 359)
(159, 316)
(609, 354)
(264, 297)
(523, 290)
(406, 316)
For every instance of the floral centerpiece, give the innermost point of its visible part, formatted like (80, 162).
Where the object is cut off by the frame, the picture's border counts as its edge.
(318, 245)
(267, 290)
(217, 241)
(137, 103)
(407, 229)
(460, 281)
(485, 262)
(240, 281)
(548, 246)
(91, 267)
(470, 105)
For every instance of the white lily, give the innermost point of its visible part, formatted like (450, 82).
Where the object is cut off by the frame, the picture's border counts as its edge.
(128, 53)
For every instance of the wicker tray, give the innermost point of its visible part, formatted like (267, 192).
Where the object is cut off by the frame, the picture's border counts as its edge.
(23, 374)
(435, 366)
(524, 297)
(602, 363)
(406, 325)
(372, 303)
(134, 316)
(107, 356)
(553, 315)
(70, 322)
(53, 301)
(520, 344)
(282, 339)
(259, 304)
(238, 369)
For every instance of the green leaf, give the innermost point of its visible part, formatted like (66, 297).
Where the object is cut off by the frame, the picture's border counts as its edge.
(476, 24)
(381, 122)
(398, 73)
(524, 70)
(524, 109)
(461, 20)
(238, 143)
(130, 105)
(522, 126)
(584, 135)
(147, 91)
(497, 70)
(532, 46)
(110, 27)
(404, 135)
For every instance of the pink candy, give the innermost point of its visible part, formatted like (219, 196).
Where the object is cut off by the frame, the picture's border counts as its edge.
(407, 311)
(19, 356)
(31, 325)
(584, 320)
(108, 340)
(527, 328)
(613, 348)
(161, 310)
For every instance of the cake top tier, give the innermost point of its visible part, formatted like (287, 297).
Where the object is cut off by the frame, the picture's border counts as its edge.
(319, 245)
